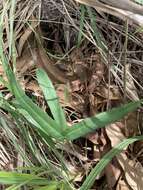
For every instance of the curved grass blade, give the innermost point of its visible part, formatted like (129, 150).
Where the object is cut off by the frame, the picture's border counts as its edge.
(51, 186)
(47, 124)
(51, 98)
(105, 160)
(101, 120)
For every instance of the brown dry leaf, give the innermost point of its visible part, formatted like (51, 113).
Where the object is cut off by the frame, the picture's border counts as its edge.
(24, 37)
(133, 170)
(132, 124)
(34, 87)
(137, 150)
(96, 103)
(115, 172)
(79, 65)
(26, 62)
(78, 102)
(97, 72)
(110, 93)
(76, 86)
(122, 185)
(102, 146)
(47, 64)
(76, 55)
(76, 174)
(70, 99)
(38, 57)
(24, 65)
(115, 133)
(93, 137)
(102, 95)
(64, 93)
(81, 71)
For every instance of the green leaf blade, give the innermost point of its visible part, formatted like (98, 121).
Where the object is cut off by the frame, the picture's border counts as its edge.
(105, 160)
(51, 98)
(13, 178)
(88, 125)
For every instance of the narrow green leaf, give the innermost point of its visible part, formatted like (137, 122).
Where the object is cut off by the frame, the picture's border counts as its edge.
(51, 98)
(105, 160)
(46, 123)
(96, 33)
(49, 187)
(88, 125)
(82, 18)
(13, 187)
(139, 1)
(12, 178)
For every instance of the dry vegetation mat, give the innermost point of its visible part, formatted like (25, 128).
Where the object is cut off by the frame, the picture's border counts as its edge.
(71, 94)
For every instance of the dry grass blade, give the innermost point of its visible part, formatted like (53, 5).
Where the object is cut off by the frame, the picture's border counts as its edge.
(124, 10)
(46, 34)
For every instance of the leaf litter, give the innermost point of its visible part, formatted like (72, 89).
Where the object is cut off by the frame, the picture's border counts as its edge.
(85, 82)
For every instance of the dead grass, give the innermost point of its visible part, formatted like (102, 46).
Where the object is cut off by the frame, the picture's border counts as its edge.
(101, 68)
